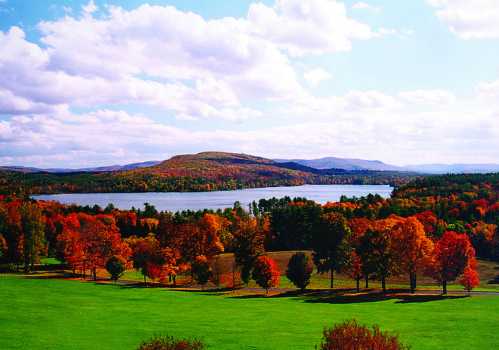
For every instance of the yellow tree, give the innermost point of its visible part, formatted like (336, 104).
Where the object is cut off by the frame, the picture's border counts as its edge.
(412, 248)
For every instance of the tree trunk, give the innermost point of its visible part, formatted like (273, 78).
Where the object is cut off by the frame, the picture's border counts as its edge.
(367, 281)
(358, 284)
(444, 287)
(412, 281)
(94, 273)
(332, 278)
(234, 275)
(383, 284)
(145, 281)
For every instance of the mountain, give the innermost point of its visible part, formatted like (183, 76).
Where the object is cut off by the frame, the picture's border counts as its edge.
(376, 165)
(206, 171)
(344, 163)
(454, 168)
(81, 170)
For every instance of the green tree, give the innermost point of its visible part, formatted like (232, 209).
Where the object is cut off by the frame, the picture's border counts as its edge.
(201, 269)
(331, 244)
(116, 266)
(34, 234)
(300, 270)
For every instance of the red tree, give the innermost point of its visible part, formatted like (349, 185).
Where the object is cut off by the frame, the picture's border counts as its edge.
(453, 252)
(350, 335)
(89, 241)
(470, 278)
(266, 273)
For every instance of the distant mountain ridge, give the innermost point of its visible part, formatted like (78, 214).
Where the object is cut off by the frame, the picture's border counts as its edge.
(376, 165)
(82, 170)
(319, 166)
(344, 163)
(206, 171)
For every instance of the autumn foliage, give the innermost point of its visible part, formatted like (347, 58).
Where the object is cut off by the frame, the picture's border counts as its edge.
(453, 253)
(266, 273)
(470, 278)
(170, 343)
(350, 335)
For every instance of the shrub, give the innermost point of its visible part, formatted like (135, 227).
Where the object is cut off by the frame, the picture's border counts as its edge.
(470, 279)
(170, 343)
(116, 266)
(266, 273)
(349, 335)
(201, 269)
(299, 270)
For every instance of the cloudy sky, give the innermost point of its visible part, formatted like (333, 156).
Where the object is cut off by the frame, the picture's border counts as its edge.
(105, 82)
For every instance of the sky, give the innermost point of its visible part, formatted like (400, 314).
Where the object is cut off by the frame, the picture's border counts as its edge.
(89, 83)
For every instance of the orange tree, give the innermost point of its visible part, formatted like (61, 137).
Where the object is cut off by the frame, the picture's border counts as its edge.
(452, 254)
(411, 247)
(266, 273)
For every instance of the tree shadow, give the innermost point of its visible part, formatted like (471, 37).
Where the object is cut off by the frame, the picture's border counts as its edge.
(426, 298)
(349, 296)
(494, 281)
(305, 295)
(52, 276)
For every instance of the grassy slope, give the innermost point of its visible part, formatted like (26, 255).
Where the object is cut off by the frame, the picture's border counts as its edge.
(59, 314)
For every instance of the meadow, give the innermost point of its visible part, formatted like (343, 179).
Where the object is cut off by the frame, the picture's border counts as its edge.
(53, 313)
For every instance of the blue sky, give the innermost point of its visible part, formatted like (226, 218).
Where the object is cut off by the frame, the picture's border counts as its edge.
(92, 83)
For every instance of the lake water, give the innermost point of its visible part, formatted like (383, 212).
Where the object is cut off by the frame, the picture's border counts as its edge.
(176, 201)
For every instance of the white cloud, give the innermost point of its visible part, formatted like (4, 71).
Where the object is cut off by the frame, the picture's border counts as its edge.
(308, 27)
(365, 6)
(427, 97)
(316, 75)
(396, 135)
(469, 19)
(89, 8)
(489, 89)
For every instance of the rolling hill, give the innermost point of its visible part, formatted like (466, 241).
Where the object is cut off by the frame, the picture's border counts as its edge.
(344, 163)
(206, 171)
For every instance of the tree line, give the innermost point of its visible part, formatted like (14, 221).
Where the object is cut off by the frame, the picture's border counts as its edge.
(366, 238)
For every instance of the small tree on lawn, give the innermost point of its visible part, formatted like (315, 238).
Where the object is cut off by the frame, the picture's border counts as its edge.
(331, 244)
(201, 269)
(116, 266)
(170, 343)
(266, 273)
(350, 335)
(470, 279)
(452, 254)
(300, 268)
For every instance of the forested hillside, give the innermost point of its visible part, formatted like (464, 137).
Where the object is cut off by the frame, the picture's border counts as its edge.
(207, 171)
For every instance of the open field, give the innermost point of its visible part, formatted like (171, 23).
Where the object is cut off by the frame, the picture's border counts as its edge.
(42, 313)
(488, 271)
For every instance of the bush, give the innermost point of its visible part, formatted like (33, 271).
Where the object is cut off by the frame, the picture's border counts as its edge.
(116, 266)
(201, 269)
(349, 335)
(300, 270)
(170, 343)
(266, 273)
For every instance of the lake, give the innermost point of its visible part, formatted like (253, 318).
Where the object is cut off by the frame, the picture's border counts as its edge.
(177, 201)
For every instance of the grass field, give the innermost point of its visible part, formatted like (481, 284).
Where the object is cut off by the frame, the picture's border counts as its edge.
(488, 271)
(40, 313)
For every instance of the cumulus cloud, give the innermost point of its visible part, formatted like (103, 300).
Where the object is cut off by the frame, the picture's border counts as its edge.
(108, 136)
(477, 19)
(308, 27)
(427, 97)
(182, 65)
(316, 75)
(365, 6)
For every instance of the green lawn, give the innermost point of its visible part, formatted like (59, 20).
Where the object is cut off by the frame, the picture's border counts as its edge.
(62, 314)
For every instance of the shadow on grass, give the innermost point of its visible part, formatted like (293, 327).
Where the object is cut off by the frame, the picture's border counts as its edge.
(52, 276)
(494, 281)
(349, 296)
